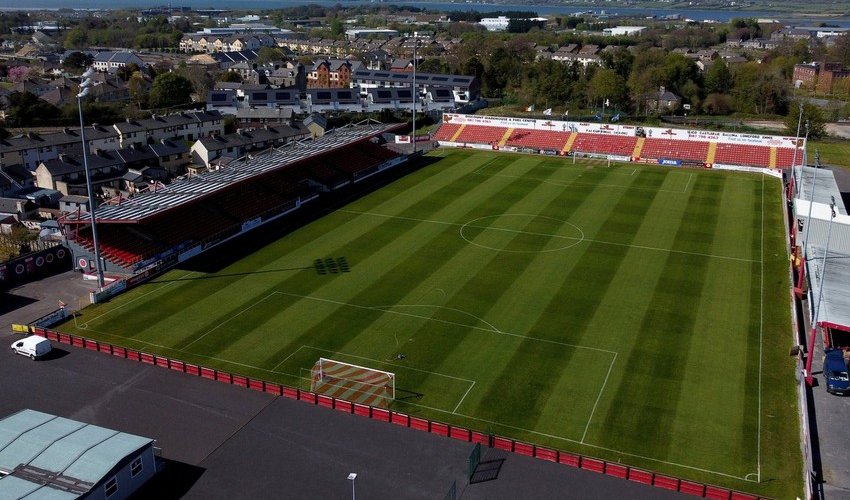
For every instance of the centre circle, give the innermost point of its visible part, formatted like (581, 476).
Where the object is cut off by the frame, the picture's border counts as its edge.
(521, 233)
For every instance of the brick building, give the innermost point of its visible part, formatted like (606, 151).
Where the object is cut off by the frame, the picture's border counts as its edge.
(821, 76)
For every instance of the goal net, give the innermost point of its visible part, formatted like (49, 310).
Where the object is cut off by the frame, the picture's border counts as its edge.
(353, 383)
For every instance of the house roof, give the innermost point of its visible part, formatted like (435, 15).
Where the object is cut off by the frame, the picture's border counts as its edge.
(56, 458)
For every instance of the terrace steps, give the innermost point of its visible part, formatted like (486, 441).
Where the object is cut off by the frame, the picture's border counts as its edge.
(505, 137)
(638, 147)
(457, 134)
(570, 142)
(712, 152)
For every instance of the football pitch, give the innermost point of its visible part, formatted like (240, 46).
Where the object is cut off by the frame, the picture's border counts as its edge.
(633, 313)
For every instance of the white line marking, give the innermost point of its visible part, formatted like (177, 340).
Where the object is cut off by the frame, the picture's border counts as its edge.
(284, 360)
(688, 183)
(598, 397)
(464, 397)
(231, 318)
(561, 438)
(139, 297)
(390, 364)
(588, 240)
(471, 327)
(761, 332)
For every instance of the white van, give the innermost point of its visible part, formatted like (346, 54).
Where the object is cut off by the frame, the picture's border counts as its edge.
(32, 346)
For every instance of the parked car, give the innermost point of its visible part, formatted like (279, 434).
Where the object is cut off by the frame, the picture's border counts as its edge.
(32, 346)
(835, 372)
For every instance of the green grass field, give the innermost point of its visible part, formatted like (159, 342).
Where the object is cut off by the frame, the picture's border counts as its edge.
(632, 313)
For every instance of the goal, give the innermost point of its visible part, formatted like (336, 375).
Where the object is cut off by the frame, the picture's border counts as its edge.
(354, 383)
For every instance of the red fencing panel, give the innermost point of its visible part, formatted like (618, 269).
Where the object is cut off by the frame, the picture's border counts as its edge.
(77, 342)
(381, 414)
(307, 396)
(400, 419)
(104, 348)
(569, 459)
(716, 493)
(134, 355)
(290, 392)
(208, 373)
(501, 443)
(546, 454)
(326, 401)
(439, 429)
(592, 464)
(177, 365)
(524, 449)
(344, 406)
(736, 495)
(90, 344)
(666, 482)
(690, 488)
(256, 385)
(640, 476)
(146, 358)
(420, 424)
(39, 331)
(459, 433)
(160, 361)
(362, 410)
(119, 351)
(481, 438)
(616, 470)
(240, 380)
(51, 335)
(64, 338)
(224, 377)
(192, 369)
(273, 389)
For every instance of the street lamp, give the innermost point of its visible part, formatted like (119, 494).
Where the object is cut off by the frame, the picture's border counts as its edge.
(797, 148)
(351, 477)
(415, 90)
(85, 85)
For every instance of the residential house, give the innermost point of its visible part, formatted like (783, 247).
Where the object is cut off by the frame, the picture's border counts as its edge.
(66, 173)
(663, 101)
(208, 149)
(19, 209)
(331, 73)
(110, 62)
(187, 126)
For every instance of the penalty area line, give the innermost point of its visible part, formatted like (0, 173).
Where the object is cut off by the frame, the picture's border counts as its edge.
(569, 440)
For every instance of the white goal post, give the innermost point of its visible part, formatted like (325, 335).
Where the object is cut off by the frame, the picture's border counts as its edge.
(350, 381)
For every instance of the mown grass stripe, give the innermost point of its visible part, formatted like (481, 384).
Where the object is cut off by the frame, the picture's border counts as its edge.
(644, 406)
(523, 403)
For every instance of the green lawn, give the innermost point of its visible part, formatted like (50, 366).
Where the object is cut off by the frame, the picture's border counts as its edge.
(833, 152)
(632, 313)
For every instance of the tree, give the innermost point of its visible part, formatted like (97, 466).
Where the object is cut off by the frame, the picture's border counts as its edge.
(811, 115)
(77, 60)
(229, 76)
(269, 55)
(169, 90)
(717, 104)
(76, 38)
(718, 78)
(138, 88)
(607, 84)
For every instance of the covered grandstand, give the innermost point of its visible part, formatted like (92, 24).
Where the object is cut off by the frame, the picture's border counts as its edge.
(181, 220)
(618, 142)
(822, 222)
